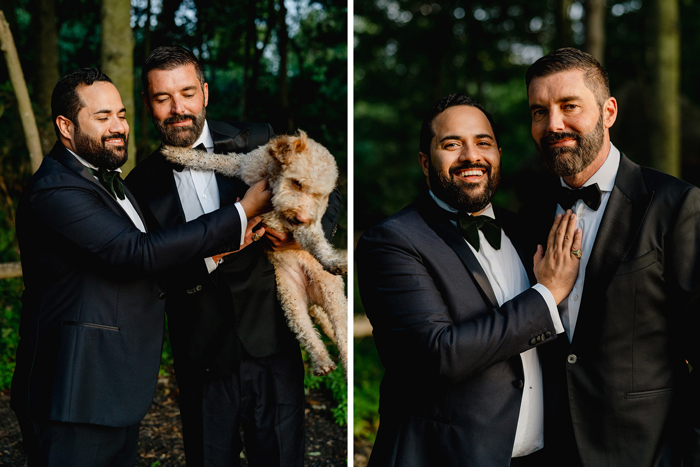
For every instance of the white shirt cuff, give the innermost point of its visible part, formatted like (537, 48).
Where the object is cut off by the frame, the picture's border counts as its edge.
(552, 305)
(211, 265)
(244, 221)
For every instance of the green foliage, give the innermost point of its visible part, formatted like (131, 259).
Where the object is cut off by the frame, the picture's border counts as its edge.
(368, 375)
(10, 308)
(335, 383)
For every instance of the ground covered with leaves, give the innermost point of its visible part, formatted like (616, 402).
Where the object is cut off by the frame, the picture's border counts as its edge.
(160, 442)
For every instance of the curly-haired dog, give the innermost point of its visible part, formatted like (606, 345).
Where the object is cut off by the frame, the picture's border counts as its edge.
(301, 174)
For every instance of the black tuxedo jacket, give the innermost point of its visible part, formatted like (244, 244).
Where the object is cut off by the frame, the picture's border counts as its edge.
(632, 399)
(92, 318)
(209, 314)
(453, 383)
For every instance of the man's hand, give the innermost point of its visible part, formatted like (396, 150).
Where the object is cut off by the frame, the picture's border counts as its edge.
(280, 241)
(257, 199)
(252, 234)
(557, 268)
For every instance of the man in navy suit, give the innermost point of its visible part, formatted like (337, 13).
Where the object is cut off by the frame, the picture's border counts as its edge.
(456, 321)
(618, 387)
(93, 309)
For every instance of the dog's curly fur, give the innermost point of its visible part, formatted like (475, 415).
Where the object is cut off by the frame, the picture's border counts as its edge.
(301, 174)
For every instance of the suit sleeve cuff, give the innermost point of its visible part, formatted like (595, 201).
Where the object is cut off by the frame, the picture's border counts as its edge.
(244, 221)
(551, 305)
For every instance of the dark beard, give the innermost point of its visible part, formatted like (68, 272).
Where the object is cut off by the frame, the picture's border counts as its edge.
(580, 156)
(463, 196)
(98, 154)
(181, 137)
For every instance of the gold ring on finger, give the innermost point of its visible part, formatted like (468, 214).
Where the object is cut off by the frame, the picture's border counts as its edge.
(256, 237)
(577, 253)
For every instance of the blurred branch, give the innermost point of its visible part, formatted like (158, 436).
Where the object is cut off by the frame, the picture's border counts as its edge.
(31, 132)
(8, 270)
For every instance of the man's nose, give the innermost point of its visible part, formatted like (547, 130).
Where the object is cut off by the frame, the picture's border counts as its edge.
(555, 122)
(469, 154)
(177, 106)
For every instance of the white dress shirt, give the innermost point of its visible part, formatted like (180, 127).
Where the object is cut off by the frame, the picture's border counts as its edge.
(508, 278)
(199, 191)
(589, 221)
(124, 203)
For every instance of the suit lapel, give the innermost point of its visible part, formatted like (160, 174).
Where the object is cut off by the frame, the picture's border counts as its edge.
(433, 216)
(510, 225)
(227, 139)
(163, 199)
(618, 230)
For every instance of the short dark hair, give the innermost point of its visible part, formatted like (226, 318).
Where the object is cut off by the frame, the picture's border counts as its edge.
(169, 57)
(426, 131)
(65, 99)
(568, 58)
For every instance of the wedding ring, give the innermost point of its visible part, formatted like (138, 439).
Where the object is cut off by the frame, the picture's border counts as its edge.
(256, 237)
(577, 253)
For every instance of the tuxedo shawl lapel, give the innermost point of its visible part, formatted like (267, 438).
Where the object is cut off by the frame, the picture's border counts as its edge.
(510, 225)
(440, 223)
(227, 138)
(618, 230)
(65, 158)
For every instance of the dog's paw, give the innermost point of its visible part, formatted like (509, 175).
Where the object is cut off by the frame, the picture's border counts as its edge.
(338, 268)
(322, 369)
(178, 155)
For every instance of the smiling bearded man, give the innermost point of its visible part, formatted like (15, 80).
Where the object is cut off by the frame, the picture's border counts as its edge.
(454, 317)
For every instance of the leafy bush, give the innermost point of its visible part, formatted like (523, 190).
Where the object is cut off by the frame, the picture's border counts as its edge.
(10, 307)
(334, 382)
(368, 375)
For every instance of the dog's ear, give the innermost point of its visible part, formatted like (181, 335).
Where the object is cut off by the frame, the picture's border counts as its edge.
(284, 147)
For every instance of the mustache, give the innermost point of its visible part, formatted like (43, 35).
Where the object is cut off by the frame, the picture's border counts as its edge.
(179, 118)
(554, 137)
(469, 165)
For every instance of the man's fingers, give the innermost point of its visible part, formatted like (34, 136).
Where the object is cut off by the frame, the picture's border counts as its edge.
(539, 254)
(578, 239)
(552, 233)
(568, 239)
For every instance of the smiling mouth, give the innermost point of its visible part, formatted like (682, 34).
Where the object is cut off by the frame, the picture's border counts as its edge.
(470, 175)
(181, 123)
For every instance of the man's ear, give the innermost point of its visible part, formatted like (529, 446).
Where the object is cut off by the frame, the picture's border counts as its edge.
(205, 90)
(65, 127)
(424, 162)
(609, 112)
(146, 102)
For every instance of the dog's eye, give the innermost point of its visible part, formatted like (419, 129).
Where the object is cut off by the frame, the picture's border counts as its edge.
(297, 184)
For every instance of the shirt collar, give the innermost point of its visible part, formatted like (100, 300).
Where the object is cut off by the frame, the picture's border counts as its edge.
(89, 165)
(605, 176)
(488, 211)
(205, 138)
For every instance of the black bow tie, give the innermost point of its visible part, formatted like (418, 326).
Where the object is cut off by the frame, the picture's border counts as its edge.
(179, 167)
(111, 180)
(469, 227)
(589, 194)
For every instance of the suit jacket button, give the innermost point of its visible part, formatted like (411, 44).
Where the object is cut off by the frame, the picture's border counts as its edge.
(533, 341)
(161, 295)
(548, 334)
(518, 384)
(572, 359)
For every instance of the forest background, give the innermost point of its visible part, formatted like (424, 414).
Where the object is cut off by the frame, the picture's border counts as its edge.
(277, 61)
(409, 53)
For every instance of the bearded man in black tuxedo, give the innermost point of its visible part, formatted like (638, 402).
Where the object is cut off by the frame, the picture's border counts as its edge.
(236, 361)
(456, 322)
(617, 384)
(91, 329)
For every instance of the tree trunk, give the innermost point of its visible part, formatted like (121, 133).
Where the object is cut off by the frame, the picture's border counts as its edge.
(31, 132)
(666, 130)
(564, 24)
(143, 149)
(118, 60)
(257, 56)
(283, 46)
(595, 29)
(47, 75)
